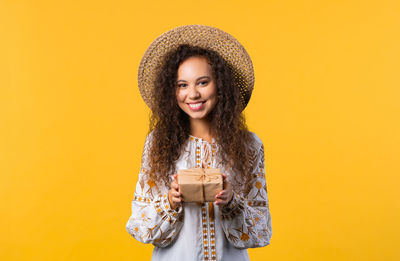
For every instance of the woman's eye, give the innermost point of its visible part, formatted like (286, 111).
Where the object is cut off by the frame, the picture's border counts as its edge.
(181, 85)
(203, 83)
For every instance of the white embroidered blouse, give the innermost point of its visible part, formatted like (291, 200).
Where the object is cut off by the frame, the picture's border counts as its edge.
(201, 231)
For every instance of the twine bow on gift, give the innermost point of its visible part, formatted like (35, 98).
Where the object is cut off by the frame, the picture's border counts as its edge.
(206, 177)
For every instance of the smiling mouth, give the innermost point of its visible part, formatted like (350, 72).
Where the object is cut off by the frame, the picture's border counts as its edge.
(196, 106)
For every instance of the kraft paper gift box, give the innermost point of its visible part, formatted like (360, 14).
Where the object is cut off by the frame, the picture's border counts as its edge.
(199, 184)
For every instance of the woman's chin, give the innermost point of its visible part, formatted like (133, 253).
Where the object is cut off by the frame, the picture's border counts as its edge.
(197, 116)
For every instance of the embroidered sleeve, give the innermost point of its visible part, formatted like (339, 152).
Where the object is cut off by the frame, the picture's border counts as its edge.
(152, 219)
(246, 220)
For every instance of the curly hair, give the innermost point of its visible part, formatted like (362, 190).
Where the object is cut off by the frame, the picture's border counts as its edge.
(170, 125)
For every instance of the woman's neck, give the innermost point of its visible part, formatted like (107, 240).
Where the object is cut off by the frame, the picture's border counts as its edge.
(201, 128)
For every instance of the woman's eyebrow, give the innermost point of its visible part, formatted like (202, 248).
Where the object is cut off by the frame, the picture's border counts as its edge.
(201, 77)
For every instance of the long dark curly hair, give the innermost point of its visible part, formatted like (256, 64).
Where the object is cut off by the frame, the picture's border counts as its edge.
(170, 126)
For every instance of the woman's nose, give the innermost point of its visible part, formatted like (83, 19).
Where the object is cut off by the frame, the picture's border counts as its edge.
(193, 93)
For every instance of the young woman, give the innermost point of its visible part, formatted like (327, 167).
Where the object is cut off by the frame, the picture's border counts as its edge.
(197, 96)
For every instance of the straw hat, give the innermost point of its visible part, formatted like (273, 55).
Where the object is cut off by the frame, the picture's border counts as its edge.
(196, 35)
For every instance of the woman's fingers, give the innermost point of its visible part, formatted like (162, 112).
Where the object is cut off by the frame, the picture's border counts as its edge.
(175, 194)
(176, 199)
(225, 181)
(221, 202)
(175, 185)
(222, 193)
(223, 197)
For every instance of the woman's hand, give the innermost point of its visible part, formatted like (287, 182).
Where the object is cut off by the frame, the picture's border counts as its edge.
(174, 194)
(225, 196)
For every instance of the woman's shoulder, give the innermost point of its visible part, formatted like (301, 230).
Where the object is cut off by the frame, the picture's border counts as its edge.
(256, 141)
(149, 135)
(148, 140)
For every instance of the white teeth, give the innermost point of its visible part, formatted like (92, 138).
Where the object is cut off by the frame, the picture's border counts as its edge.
(196, 105)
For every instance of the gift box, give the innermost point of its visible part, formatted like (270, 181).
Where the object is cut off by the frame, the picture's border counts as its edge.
(199, 184)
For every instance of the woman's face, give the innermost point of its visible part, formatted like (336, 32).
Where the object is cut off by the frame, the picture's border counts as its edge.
(196, 90)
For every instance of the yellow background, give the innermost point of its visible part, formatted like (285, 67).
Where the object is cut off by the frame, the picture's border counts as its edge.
(325, 104)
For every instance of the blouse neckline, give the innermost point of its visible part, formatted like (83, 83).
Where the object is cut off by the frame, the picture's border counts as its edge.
(201, 140)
